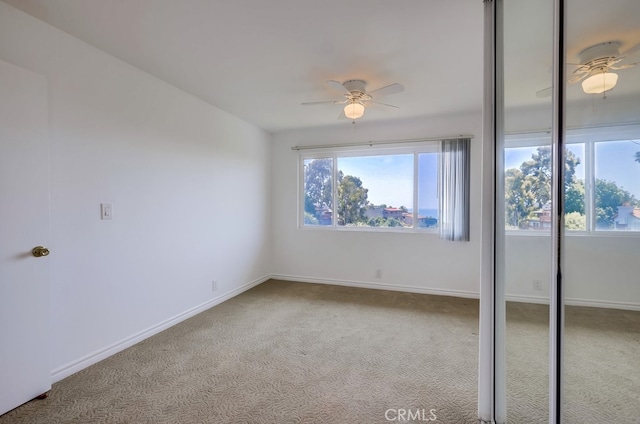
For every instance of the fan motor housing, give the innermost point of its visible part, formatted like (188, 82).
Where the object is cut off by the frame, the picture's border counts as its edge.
(601, 51)
(358, 86)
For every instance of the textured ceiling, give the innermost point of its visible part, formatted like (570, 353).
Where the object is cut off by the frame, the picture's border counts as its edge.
(260, 59)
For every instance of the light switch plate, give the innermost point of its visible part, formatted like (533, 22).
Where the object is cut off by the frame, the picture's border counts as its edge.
(106, 211)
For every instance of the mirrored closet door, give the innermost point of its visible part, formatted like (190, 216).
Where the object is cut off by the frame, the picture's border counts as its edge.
(601, 355)
(567, 204)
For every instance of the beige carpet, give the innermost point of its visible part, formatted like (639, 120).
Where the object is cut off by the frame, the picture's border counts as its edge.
(602, 365)
(288, 352)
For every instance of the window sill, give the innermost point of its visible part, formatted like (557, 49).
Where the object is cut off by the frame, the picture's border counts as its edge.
(602, 234)
(395, 230)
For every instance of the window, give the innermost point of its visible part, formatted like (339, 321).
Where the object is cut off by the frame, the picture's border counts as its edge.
(602, 184)
(617, 185)
(382, 189)
(427, 190)
(528, 187)
(318, 191)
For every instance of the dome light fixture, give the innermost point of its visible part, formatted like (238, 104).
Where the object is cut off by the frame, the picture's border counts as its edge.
(354, 110)
(599, 82)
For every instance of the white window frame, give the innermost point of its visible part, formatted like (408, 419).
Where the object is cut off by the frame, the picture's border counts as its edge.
(415, 149)
(588, 137)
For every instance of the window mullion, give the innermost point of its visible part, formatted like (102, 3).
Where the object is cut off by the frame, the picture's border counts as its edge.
(301, 191)
(590, 201)
(416, 210)
(334, 189)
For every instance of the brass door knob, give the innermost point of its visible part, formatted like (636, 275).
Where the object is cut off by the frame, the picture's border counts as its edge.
(39, 251)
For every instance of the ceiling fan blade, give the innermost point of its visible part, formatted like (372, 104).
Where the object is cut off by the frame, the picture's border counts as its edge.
(581, 70)
(631, 50)
(628, 65)
(338, 86)
(386, 90)
(568, 65)
(383, 104)
(334, 102)
(544, 93)
(577, 78)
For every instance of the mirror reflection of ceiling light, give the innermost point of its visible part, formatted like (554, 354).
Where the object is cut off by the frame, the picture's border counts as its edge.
(354, 110)
(599, 82)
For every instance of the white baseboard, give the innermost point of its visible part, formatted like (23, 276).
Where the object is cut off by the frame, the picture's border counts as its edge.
(607, 304)
(628, 306)
(378, 286)
(97, 356)
(527, 299)
(457, 293)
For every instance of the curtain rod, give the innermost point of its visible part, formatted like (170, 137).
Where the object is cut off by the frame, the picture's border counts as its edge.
(382, 142)
(584, 127)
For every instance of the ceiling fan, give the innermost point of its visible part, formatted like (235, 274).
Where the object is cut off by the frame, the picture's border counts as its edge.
(356, 97)
(594, 69)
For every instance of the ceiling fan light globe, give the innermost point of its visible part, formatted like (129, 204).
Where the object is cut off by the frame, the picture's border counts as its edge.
(354, 110)
(600, 82)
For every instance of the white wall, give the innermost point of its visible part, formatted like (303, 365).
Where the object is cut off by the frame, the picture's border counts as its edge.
(415, 262)
(599, 270)
(189, 185)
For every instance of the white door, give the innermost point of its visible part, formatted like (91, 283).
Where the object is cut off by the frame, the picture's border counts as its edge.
(25, 370)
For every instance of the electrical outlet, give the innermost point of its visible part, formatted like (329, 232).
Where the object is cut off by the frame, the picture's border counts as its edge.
(537, 285)
(378, 273)
(214, 285)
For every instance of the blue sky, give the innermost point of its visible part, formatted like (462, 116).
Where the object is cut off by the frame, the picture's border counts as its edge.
(615, 161)
(389, 178)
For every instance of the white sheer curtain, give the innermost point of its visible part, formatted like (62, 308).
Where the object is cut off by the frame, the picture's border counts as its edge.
(455, 156)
